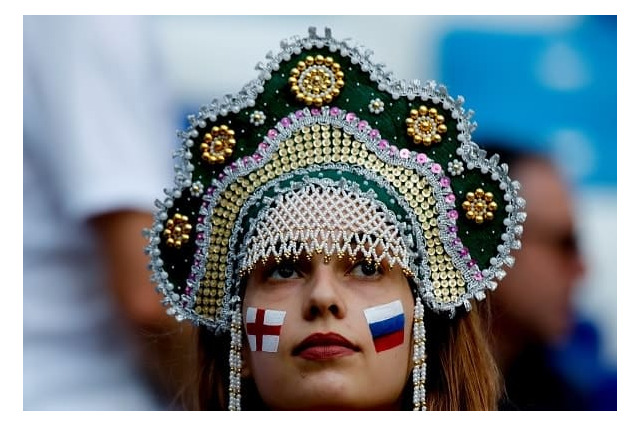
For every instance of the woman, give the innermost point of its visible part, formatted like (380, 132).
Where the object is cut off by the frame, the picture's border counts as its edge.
(316, 214)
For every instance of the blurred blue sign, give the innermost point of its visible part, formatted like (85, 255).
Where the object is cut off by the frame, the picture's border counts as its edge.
(554, 90)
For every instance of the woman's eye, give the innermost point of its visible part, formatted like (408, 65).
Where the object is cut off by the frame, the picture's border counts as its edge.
(283, 272)
(366, 269)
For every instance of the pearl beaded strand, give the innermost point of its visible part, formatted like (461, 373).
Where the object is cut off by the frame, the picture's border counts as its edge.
(235, 360)
(419, 358)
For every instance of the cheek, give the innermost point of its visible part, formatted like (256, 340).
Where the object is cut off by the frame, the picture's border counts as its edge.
(391, 354)
(262, 367)
(270, 367)
(390, 370)
(386, 324)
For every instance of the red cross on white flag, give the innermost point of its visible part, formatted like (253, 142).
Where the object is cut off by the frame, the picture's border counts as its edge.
(263, 329)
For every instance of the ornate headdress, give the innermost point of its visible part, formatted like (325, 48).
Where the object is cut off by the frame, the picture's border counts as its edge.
(326, 152)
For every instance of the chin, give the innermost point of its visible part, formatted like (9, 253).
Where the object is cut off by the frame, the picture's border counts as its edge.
(329, 400)
(314, 402)
(337, 404)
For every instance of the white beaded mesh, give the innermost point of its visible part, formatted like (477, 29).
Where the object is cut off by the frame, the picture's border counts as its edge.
(328, 220)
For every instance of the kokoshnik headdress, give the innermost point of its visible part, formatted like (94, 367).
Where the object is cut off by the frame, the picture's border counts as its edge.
(326, 152)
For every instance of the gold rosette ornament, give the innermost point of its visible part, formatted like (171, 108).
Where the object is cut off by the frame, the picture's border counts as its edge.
(177, 230)
(218, 145)
(479, 206)
(316, 80)
(425, 125)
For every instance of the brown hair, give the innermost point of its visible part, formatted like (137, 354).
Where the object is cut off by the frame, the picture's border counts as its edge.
(461, 371)
(462, 374)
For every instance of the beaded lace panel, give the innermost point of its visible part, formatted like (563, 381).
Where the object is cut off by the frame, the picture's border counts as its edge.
(327, 220)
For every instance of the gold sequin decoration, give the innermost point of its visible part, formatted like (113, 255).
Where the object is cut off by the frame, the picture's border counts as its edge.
(479, 206)
(218, 145)
(316, 80)
(425, 125)
(177, 230)
(411, 185)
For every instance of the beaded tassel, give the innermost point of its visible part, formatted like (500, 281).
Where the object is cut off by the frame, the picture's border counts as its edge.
(235, 361)
(419, 358)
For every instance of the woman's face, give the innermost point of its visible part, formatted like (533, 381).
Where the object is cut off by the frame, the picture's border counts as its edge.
(326, 357)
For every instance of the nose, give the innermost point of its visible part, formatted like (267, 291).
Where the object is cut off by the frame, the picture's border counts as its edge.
(323, 296)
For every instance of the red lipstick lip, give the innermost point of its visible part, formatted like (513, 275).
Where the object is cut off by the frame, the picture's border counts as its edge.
(319, 346)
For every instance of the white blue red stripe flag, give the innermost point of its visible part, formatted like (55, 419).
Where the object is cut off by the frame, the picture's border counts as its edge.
(386, 323)
(263, 329)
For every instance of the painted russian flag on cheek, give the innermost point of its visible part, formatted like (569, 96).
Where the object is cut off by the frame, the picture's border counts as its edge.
(263, 329)
(386, 323)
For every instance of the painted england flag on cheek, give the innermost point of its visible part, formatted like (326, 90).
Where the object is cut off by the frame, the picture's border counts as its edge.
(263, 329)
(386, 323)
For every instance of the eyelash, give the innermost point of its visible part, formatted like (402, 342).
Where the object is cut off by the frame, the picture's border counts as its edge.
(280, 267)
(378, 271)
(295, 272)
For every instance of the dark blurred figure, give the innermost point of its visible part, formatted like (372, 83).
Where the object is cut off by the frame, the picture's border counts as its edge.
(95, 336)
(536, 333)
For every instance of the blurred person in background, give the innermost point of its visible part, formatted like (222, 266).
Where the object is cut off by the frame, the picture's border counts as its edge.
(95, 336)
(537, 333)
